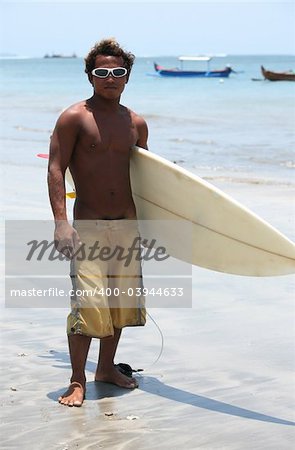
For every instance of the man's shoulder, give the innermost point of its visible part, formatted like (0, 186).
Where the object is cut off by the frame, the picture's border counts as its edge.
(73, 114)
(76, 109)
(141, 127)
(136, 118)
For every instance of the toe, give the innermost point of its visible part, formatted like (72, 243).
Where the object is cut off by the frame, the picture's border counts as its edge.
(132, 384)
(77, 403)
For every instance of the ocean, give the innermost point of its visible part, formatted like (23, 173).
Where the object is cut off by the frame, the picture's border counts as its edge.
(233, 129)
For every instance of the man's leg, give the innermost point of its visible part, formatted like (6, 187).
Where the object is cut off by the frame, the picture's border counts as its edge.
(106, 370)
(78, 347)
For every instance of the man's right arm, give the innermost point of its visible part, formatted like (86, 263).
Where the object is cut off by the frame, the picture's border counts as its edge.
(62, 145)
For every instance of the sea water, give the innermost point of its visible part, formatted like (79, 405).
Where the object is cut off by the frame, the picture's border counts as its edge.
(233, 128)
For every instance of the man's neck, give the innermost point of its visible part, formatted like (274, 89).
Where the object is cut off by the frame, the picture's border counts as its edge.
(99, 103)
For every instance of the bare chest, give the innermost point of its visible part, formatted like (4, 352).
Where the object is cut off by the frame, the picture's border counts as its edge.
(102, 135)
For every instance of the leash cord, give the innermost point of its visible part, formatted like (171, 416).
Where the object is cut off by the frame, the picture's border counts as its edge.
(161, 349)
(143, 250)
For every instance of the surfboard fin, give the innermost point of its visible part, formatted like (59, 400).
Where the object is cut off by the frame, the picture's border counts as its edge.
(71, 194)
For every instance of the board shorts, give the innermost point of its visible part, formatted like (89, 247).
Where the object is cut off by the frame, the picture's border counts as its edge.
(107, 284)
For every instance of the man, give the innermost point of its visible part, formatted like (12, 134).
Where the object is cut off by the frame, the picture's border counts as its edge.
(94, 138)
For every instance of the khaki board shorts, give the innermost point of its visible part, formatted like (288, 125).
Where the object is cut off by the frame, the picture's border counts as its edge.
(107, 290)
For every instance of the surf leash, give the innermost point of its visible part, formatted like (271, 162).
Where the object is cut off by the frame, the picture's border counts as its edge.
(127, 370)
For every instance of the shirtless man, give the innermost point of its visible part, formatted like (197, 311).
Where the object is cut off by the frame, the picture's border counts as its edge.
(94, 139)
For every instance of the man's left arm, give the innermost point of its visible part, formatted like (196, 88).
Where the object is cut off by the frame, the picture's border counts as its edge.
(142, 132)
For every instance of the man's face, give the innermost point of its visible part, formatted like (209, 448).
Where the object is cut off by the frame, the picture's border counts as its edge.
(110, 87)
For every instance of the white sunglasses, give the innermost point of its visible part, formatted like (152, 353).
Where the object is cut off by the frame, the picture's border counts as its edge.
(102, 72)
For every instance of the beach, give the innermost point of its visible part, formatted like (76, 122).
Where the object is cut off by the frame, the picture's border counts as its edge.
(218, 375)
(224, 379)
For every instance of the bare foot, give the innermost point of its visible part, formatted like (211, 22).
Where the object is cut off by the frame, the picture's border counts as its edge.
(114, 376)
(74, 396)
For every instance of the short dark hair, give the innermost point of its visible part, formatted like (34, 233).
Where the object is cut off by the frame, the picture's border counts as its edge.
(108, 47)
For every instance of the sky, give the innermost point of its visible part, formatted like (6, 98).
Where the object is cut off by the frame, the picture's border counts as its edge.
(148, 28)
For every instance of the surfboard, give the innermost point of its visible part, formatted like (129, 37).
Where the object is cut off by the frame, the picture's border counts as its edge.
(219, 232)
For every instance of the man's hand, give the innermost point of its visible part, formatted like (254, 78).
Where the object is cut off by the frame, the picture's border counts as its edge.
(66, 239)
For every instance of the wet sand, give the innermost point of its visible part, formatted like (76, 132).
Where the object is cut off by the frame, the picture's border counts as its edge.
(224, 379)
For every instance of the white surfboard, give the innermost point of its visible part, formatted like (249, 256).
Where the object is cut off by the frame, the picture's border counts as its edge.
(225, 236)
(222, 234)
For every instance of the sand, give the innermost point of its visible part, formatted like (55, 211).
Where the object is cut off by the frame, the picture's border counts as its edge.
(224, 379)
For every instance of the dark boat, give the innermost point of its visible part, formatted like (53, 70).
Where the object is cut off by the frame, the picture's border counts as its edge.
(278, 76)
(180, 72)
(59, 55)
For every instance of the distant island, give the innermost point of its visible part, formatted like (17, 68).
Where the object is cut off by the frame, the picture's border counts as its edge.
(8, 55)
(60, 55)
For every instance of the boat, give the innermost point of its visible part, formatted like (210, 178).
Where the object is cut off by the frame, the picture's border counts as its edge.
(181, 72)
(278, 76)
(59, 55)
